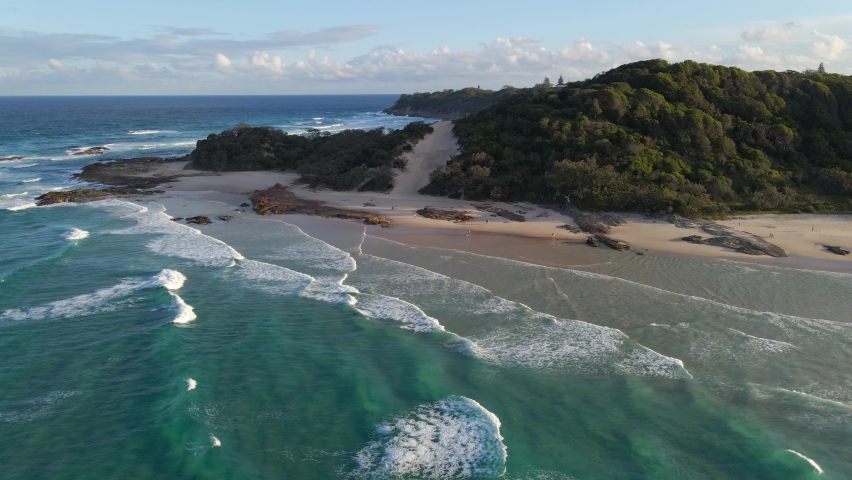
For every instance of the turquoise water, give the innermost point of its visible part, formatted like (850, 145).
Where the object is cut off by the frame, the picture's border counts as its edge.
(135, 347)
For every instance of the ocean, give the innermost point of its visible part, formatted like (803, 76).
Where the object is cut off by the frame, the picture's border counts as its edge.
(278, 347)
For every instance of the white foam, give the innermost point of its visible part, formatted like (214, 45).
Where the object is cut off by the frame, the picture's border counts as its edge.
(817, 468)
(21, 206)
(273, 278)
(143, 132)
(32, 180)
(391, 308)
(185, 314)
(75, 234)
(214, 442)
(100, 301)
(330, 290)
(25, 165)
(452, 438)
(13, 195)
(190, 384)
(177, 240)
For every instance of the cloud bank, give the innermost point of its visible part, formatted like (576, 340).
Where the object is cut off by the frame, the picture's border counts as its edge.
(203, 60)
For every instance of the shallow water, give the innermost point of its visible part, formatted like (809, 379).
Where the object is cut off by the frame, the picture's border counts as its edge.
(357, 357)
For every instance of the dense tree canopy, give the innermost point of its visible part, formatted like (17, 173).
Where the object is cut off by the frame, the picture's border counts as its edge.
(449, 104)
(349, 159)
(651, 136)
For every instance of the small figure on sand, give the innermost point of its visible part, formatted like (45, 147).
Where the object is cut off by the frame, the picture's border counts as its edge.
(468, 233)
(553, 236)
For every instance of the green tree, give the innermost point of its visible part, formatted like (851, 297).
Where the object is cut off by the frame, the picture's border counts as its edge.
(821, 68)
(561, 81)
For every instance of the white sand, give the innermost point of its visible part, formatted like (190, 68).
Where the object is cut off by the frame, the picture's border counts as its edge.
(791, 232)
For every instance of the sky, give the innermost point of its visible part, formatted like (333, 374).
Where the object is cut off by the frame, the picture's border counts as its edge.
(263, 47)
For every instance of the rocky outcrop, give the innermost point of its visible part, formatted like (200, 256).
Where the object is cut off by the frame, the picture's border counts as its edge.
(501, 212)
(82, 195)
(279, 200)
(146, 172)
(570, 228)
(449, 215)
(9, 159)
(93, 151)
(722, 236)
(592, 242)
(694, 239)
(592, 222)
(199, 220)
(225, 218)
(612, 243)
(836, 250)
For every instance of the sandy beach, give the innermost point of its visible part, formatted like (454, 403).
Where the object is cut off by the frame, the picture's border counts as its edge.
(802, 236)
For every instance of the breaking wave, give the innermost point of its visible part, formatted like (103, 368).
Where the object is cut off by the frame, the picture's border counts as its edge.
(450, 439)
(75, 234)
(100, 301)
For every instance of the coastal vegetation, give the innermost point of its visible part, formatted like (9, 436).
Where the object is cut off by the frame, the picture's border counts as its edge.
(449, 104)
(367, 160)
(688, 138)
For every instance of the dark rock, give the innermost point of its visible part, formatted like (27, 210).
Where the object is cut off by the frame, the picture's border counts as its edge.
(590, 222)
(502, 212)
(225, 218)
(199, 220)
(245, 204)
(570, 228)
(727, 237)
(613, 243)
(82, 195)
(9, 159)
(836, 250)
(131, 172)
(449, 215)
(694, 239)
(592, 242)
(279, 200)
(177, 219)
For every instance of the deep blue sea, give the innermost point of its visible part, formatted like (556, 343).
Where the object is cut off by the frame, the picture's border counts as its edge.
(132, 346)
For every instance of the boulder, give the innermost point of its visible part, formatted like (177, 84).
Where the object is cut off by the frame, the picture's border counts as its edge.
(93, 151)
(694, 239)
(199, 220)
(225, 218)
(836, 250)
(592, 242)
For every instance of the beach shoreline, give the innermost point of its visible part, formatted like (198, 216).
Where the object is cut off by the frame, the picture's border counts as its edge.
(802, 236)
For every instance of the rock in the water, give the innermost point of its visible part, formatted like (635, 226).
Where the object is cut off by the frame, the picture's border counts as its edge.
(694, 239)
(199, 220)
(82, 195)
(9, 159)
(177, 219)
(245, 204)
(93, 151)
(836, 250)
(592, 242)
(225, 218)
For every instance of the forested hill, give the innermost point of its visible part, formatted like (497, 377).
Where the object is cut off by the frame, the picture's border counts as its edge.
(448, 104)
(691, 138)
(367, 160)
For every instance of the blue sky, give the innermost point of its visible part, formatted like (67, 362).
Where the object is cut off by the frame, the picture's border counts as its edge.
(277, 47)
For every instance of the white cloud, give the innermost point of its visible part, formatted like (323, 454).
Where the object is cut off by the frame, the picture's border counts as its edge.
(827, 47)
(58, 66)
(222, 64)
(778, 33)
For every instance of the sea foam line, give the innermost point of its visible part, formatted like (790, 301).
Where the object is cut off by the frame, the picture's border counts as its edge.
(772, 317)
(817, 468)
(100, 301)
